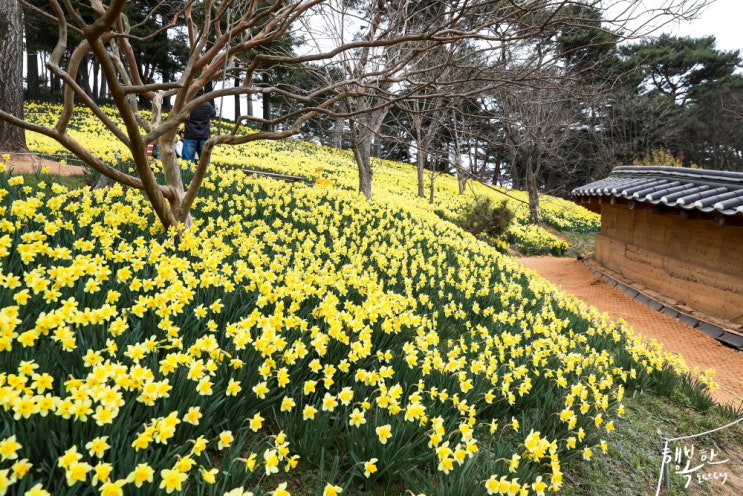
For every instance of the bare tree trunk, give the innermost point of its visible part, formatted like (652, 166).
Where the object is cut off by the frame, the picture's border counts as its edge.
(431, 186)
(339, 127)
(96, 73)
(238, 106)
(32, 76)
(462, 180)
(336, 134)
(33, 86)
(103, 92)
(361, 145)
(420, 154)
(498, 164)
(12, 138)
(266, 106)
(363, 130)
(238, 109)
(83, 78)
(421, 164)
(516, 182)
(55, 84)
(531, 187)
(461, 173)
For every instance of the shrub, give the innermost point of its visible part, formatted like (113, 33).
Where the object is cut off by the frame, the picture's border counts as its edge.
(482, 218)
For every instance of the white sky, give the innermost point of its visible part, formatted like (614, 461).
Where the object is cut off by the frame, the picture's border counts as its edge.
(723, 19)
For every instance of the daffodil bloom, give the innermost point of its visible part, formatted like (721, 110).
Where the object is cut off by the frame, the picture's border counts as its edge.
(261, 389)
(346, 395)
(309, 412)
(238, 491)
(142, 473)
(77, 472)
(204, 387)
(309, 387)
(357, 417)
(370, 467)
(37, 490)
(21, 468)
(604, 446)
(233, 387)
(199, 445)
(329, 403)
(281, 490)
(587, 453)
(225, 439)
(287, 404)
(598, 420)
(513, 463)
(384, 432)
(256, 422)
(250, 462)
(539, 486)
(172, 480)
(102, 472)
(331, 490)
(209, 476)
(514, 488)
(9, 448)
(98, 446)
(184, 464)
(70, 456)
(193, 415)
(115, 488)
(492, 485)
(271, 461)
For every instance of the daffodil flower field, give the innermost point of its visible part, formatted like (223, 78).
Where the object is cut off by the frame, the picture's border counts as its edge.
(294, 327)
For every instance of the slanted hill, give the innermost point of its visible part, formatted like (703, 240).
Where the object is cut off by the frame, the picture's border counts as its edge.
(328, 167)
(298, 339)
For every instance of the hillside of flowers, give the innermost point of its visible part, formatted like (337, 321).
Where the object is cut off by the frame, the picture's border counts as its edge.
(336, 168)
(298, 339)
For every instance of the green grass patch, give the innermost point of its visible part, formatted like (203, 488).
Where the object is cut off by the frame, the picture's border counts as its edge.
(633, 462)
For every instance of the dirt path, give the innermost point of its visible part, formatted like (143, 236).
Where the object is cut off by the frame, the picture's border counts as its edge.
(697, 348)
(30, 163)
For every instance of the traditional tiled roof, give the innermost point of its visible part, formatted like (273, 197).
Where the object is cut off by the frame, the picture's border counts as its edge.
(716, 192)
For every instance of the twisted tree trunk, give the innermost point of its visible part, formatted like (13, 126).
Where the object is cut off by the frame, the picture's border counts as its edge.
(12, 138)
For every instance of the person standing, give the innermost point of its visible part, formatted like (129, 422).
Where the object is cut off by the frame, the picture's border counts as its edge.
(179, 144)
(197, 130)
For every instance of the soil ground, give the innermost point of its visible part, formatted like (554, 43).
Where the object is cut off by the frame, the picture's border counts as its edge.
(697, 348)
(30, 163)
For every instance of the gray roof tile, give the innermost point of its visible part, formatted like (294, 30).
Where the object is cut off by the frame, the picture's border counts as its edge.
(719, 192)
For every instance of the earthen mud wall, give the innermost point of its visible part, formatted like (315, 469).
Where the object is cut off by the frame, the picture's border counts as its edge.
(693, 261)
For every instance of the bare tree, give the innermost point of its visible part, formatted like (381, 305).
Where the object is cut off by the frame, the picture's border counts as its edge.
(12, 138)
(392, 33)
(374, 74)
(425, 117)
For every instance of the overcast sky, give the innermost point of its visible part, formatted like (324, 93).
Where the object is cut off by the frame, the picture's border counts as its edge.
(723, 19)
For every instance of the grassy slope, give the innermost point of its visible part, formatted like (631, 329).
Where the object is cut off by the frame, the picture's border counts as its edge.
(630, 467)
